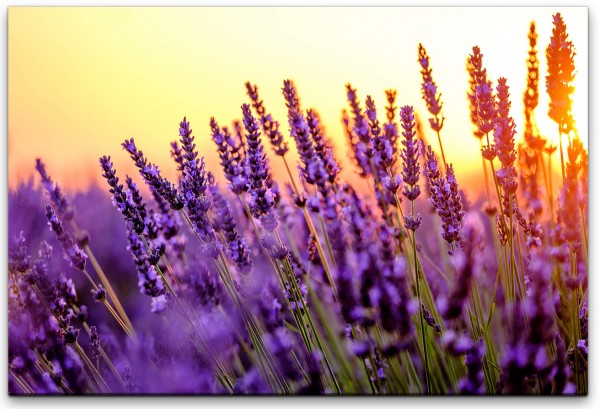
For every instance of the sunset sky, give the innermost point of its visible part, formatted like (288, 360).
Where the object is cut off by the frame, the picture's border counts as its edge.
(81, 80)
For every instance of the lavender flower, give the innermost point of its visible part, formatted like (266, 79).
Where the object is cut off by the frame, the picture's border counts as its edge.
(194, 187)
(561, 72)
(563, 372)
(61, 204)
(313, 169)
(120, 199)
(473, 383)
(231, 159)
(410, 154)
(237, 247)
(152, 176)
(323, 146)
(483, 109)
(94, 344)
(390, 128)
(445, 198)
(429, 90)
(18, 260)
(430, 319)
(531, 94)
(504, 133)
(528, 179)
(467, 262)
(477, 75)
(568, 202)
(359, 133)
(149, 281)
(382, 143)
(71, 251)
(263, 192)
(177, 155)
(204, 286)
(269, 126)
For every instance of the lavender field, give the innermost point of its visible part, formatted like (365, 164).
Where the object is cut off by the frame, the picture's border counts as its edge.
(240, 280)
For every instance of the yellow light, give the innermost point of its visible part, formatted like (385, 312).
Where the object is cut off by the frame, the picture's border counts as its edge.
(81, 80)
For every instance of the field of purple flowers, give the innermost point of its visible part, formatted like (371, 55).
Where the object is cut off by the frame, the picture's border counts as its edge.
(264, 286)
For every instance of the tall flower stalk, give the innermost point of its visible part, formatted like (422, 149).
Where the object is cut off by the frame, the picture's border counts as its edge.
(410, 175)
(560, 55)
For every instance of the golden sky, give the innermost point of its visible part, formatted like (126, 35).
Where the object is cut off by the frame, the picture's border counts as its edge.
(81, 80)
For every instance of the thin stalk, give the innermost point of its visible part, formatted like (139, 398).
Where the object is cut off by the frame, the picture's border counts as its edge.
(91, 367)
(423, 336)
(22, 384)
(485, 175)
(327, 241)
(441, 147)
(313, 231)
(109, 289)
(292, 279)
(562, 159)
(575, 325)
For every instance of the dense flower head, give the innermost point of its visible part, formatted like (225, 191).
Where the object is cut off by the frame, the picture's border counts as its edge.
(19, 261)
(528, 180)
(360, 122)
(357, 131)
(149, 281)
(531, 94)
(561, 72)
(569, 194)
(481, 97)
(504, 134)
(390, 128)
(194, 188)
(264, 194)
(467, 262)
(323, 146)
(270, 127)
(430, 319)
(231, 160)
(177, 155)
(477, 74)
(473, 383)
(292, 101)
(504, 126)
(313, 170)
(121, 200)
(152, 176)
(187, 140)
(236, 245)
(486, 112)
(94, 343)
(60, 203)
(382, 141)
(410, 154)
(429, 90)
(71, 251)
(135, 199)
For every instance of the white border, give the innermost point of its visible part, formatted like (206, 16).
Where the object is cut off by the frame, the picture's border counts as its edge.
(102, 402)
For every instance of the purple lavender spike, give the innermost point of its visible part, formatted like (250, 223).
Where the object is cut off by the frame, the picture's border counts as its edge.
(410, 154)
(270, 127)
(152, 176)
(263, 192)
(231, 160)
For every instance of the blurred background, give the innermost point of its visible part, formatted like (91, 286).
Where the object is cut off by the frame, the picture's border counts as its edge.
(81, 80)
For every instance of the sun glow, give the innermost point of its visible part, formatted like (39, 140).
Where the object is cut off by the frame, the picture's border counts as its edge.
(81, 80)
